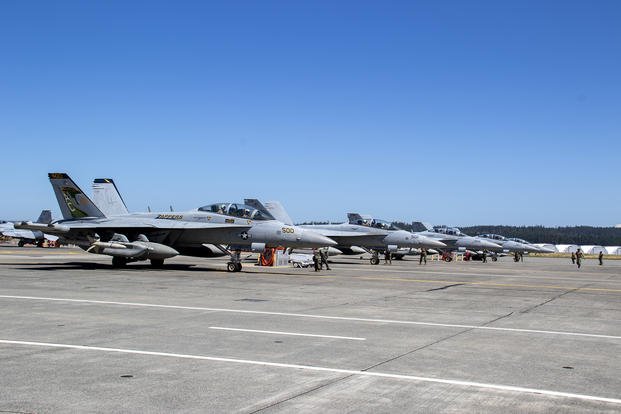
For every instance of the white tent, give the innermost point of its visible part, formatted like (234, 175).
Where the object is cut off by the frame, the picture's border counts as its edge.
(616, 250)
(591, 249)
(547, 246)
(567, 248)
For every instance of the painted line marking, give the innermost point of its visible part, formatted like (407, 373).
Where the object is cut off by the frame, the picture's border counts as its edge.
(307, 315)
(491, 275)
(287, 333)
(466, 283)
(510, 388)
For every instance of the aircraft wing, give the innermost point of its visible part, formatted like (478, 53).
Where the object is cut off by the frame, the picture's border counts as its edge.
(125, 223)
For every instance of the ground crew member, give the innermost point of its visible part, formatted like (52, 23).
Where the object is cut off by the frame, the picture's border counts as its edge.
(324, 259)
(423, 256)
(484, 256)
(600, 257)
(316, 260)
(579, 258)
(387, 257)
(573, 258)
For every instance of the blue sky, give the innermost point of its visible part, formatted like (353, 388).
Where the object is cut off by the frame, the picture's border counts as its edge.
(455, 112)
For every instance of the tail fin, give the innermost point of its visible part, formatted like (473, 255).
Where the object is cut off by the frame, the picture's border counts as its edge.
(278, 212)
(72, 201)
(253, 202)
(45, 217)
(107, 197)
(421, 226)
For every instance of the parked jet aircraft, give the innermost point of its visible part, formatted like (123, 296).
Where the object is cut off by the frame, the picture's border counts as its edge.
(132, 237)
(534, 248)
(379, 237)
(507, 245)
(264, 231)
(455, 239)
(7, 229)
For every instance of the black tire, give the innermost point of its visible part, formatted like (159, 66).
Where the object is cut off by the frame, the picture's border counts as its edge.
(20, 243)
(40, 243)
(119, 262)
(494, 259)
(157, 262)
(375, 260)
(448, 258)
(231, 267)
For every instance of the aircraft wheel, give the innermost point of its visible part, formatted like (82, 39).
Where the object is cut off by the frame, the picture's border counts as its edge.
(375, 260)
(231, 267)
(157, 262)
(448, 258)
(40, 243)
(494, 259)
(119, 262)
(20, 243)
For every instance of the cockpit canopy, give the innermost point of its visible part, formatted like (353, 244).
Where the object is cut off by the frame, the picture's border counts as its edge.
(378, 224)
(493, 237)
(236, 210)
(453, 231)
(515, 239)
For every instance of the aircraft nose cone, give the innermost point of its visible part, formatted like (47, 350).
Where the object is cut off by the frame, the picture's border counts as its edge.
(487, 245)
(312, 239)
(430, 243)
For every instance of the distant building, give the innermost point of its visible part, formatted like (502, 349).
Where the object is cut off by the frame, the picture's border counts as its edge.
(616, 250)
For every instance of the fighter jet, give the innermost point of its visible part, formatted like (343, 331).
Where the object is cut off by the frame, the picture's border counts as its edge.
(372, 236)
(508, 245)
(454, 239)
(533, 248)
(132, 237)
(37, 238)
(264, 231)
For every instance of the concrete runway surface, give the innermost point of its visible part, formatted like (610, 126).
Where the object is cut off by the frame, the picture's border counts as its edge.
(77, 335)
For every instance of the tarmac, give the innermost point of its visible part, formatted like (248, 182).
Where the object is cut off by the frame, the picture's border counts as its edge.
(77, 335)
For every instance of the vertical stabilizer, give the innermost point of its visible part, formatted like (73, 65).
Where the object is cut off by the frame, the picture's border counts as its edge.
(278, 212)
(107, 197)
(45, 217)
(73, 203)
(254, 203)
(421, 226)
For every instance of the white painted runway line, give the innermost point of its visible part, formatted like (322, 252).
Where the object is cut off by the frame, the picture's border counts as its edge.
(482, 385)
(306, 315)
(286, 333)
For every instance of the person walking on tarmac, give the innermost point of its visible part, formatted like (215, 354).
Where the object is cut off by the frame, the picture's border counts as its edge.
(573, 258)
(387, 257)
(484, 259)
(316, 260)
(600, 257)
(579, 256)
(323, 254)
(423, 256)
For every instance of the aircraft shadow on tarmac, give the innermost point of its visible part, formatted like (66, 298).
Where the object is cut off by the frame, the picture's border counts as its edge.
(101, 266)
